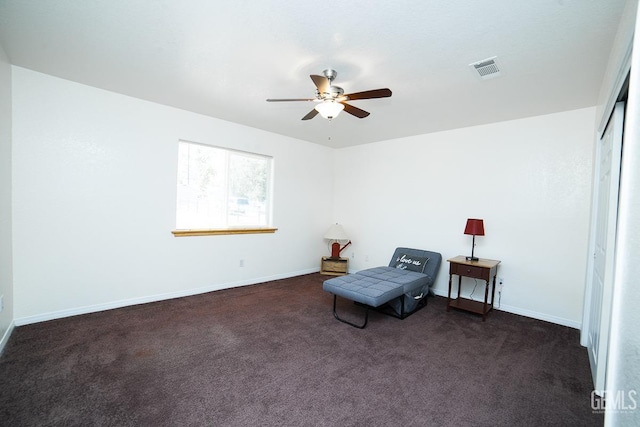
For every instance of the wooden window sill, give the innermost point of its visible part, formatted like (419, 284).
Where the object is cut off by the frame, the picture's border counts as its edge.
(217, 232)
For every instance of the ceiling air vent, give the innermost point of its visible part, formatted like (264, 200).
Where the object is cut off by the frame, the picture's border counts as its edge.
(487, 68)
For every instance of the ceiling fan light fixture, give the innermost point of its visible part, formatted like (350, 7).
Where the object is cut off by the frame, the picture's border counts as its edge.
(332, 99)
(329, 109)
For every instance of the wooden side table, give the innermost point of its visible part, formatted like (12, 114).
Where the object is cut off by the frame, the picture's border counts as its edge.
(484, 269)
(334, 266)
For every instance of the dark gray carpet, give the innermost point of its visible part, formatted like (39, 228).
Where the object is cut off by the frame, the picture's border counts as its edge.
(273, 355)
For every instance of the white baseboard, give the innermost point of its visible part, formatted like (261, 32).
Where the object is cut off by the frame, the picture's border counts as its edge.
(527, 313)
(6, 336)
(153, 298)
(189, 292)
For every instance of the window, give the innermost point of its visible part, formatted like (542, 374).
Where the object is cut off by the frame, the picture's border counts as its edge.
(221, 189)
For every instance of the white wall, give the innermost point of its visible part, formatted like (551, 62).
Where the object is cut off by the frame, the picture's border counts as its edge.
(528, 179)
(6, 265)
(619, 57)
(94, 202)
(623, 367)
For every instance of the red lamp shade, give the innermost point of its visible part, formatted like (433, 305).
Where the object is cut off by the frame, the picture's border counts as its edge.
(475, 227)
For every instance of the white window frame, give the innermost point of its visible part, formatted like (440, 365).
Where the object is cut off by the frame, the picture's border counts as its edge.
(193, 226)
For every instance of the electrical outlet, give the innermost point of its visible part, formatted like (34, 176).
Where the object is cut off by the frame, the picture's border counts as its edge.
(1, 303)
(500, 283)
(241, 263)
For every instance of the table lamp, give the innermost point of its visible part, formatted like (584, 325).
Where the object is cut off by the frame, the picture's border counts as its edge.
(475, 227)
(336, 234)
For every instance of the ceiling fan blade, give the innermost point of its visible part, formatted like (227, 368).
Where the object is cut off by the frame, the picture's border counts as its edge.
(321, 82)
(368, 94)
(310, 115)
(355, 111)
(291, 99)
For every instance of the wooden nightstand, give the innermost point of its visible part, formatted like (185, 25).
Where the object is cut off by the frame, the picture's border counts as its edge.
(334, 266)
(483, 269)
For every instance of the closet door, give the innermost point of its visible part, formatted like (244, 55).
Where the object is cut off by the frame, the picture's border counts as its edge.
(602, 272)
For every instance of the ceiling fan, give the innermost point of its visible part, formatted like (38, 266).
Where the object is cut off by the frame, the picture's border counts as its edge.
(332, 99)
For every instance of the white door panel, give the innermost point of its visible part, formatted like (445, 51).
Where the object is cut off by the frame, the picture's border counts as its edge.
(605, 217)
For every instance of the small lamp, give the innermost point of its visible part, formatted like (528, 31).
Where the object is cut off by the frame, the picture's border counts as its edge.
(336, 233)
(475, 227)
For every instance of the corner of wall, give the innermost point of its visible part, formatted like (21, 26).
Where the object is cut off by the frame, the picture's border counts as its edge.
(5, 337)
(6, 196)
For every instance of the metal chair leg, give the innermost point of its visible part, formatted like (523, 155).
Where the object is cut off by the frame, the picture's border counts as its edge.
(335, 314)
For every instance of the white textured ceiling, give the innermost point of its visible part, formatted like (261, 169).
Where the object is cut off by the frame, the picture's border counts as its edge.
(224, 58)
